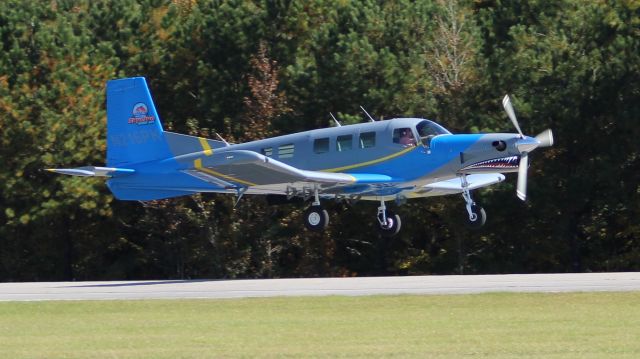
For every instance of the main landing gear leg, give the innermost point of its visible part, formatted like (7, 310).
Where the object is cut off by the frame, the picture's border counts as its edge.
(315, 217)
(389, 221)
(477, 216)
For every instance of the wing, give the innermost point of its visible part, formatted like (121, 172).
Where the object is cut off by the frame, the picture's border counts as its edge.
(259, 174)
(453, 185)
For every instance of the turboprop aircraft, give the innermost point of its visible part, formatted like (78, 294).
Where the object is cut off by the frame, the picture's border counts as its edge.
(390, 160)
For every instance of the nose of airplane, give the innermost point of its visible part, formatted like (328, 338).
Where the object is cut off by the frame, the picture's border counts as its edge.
(496, 152)
(526, 144)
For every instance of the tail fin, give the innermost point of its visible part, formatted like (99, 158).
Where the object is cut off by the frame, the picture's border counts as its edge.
(134, 132)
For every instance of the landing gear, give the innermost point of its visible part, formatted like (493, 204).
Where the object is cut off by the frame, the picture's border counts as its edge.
(477, 216)
(389, 222)
(315, 217)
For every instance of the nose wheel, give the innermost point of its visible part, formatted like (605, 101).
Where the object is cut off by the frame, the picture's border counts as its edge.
(477, 216)
(389, 222)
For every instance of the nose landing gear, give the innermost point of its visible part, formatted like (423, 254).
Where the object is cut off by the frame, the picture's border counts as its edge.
(477, 216)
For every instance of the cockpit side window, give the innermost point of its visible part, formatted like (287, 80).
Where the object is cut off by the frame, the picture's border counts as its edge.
(404, 136)
(428, 130)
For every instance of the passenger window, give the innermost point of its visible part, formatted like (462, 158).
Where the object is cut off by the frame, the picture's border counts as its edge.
(321, 145)
(367, 139)
(344, 143)
(267, 151)
(404, 136)
(286, 151)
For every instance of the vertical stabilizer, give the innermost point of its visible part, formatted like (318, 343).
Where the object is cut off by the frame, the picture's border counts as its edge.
(134, 132)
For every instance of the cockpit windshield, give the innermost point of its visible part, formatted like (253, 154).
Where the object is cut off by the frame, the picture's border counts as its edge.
(428, 130)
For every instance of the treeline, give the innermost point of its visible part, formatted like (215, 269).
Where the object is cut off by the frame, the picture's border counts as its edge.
(251, 69)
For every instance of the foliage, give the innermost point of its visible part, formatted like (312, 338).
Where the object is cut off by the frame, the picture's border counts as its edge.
(277, 67)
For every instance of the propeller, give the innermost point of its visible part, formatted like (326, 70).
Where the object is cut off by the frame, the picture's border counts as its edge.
(525, 145)
(506, 103)
(521, 188)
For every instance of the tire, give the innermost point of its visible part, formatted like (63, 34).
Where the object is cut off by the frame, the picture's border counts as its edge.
(316, 219)
(393, 227)
(481, 218)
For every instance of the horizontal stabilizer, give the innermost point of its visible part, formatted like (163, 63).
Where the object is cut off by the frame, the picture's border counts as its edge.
(92, 171)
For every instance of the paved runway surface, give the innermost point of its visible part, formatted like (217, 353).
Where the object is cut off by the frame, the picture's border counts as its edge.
(186, 289)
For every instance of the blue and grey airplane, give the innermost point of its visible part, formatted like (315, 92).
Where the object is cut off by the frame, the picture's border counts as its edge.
(390, 160)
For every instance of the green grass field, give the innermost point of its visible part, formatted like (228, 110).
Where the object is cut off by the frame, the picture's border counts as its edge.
(576, 325)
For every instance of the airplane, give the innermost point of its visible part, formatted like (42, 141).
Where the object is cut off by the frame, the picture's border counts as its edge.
(386, 160)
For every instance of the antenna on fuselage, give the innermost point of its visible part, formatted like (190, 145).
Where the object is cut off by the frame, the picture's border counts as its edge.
(222, 139)
(335, 120)
(368, 115)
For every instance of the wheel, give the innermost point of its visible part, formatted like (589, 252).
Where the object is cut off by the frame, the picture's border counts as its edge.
(392, 227)
(480, 217)
(316, 218)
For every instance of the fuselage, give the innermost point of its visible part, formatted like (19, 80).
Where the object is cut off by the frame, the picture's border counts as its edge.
(413, 152)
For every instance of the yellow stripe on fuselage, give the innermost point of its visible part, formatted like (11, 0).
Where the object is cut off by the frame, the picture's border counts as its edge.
(205, 146)
(198, 165)
(377, 160)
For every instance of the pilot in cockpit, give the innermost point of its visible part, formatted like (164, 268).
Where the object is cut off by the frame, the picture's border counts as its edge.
(406, 137)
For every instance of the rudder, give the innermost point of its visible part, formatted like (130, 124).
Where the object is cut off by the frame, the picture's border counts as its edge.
(134, 131)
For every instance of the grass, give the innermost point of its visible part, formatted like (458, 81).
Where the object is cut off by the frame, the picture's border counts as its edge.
(584, 325)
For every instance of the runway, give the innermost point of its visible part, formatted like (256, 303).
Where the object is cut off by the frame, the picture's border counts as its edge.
(418, 285)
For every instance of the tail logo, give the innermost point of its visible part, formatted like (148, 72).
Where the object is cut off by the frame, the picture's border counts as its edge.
(140, 115)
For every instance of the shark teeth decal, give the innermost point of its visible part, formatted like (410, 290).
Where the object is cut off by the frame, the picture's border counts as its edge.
(496, 163)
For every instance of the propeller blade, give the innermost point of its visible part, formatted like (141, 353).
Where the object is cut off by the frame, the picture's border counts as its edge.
(521, 190)
(545, 138)
(506, 103)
